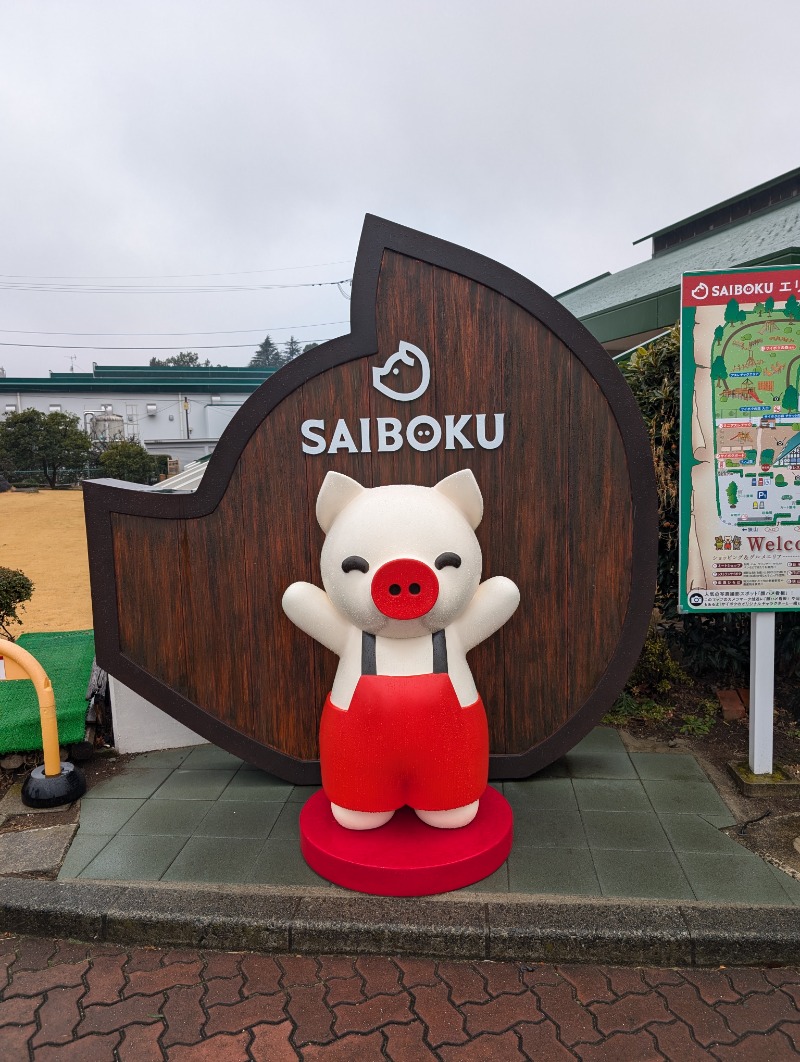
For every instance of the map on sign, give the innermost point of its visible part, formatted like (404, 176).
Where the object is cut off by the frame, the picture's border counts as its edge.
(740, 440)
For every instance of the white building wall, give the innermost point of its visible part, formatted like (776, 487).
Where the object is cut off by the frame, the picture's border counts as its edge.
(161, 432)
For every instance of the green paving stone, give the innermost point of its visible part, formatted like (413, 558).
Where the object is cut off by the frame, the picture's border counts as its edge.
(160, 816)
(542, 794)
(301, 793)
(208, 859)
(630, 830)
(599, 764)
(720, 821)
(559, 829)
(281, 863)
(287, 824)
(610, 794)
(136, 783)
(790, 885)
(105, 815)
(645, 875)
(256, 785)
(133, 858)
(739, 878)
(194, 785)
(558, 769)
(81, 852)
(664, 765)
(601, 739)
(161, 758)
(211, 758)
(239, 818)
(681, 797)
(692, 833)
(497, 882)
(561, 871)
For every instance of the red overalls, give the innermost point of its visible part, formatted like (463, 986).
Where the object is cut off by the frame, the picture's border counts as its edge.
(405, 739)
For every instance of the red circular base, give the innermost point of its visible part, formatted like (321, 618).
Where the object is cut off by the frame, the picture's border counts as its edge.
(406, 857)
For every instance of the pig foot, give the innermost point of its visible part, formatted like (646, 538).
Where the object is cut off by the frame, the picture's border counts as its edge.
(360, 820)
(451, 819)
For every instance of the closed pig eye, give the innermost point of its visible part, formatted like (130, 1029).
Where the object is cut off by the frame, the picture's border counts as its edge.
(447, 560)
(355, 564)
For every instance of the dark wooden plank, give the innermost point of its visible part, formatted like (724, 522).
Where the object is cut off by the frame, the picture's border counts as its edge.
(405, 311)
(471, 323)
(600, 538)
(217, 613)
(149, 601)
(537, 474)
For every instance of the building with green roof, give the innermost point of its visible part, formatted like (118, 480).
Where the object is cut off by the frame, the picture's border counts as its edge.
(757, 227)
(180, 412)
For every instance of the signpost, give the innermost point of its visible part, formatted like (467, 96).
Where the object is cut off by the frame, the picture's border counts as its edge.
(740, 462)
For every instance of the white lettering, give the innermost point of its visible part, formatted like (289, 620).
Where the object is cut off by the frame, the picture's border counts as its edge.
(389, 437)
(430, 433)
(317, 442)
(499, 431)
(342, 439)
(452, 431)
(364, 422)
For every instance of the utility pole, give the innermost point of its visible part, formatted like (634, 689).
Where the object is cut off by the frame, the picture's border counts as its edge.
(186, 411)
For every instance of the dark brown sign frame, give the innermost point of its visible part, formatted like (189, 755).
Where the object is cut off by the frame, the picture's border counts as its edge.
(583, 552)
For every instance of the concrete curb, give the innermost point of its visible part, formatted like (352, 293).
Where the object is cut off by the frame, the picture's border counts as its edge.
(322, 920)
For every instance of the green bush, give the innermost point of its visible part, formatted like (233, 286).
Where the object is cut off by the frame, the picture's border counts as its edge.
(127, 459)
(15, 589)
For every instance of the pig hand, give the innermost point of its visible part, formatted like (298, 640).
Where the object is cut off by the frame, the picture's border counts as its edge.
(495, 601)
(311, 610)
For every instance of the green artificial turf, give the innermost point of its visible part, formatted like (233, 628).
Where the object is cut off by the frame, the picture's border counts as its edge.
(67, 658)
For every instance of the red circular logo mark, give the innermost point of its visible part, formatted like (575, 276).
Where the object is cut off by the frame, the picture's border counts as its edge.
(405, 589)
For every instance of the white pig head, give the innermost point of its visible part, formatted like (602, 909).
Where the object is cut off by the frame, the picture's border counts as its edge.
(400, 560)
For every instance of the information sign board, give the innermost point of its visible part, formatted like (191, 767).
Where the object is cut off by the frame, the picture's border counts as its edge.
(740, 441)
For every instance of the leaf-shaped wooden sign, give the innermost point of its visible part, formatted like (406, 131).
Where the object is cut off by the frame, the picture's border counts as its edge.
(489, 373)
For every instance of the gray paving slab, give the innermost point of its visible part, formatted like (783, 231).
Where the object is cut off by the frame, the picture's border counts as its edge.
(552, 871)
(34, 851)
(131, 783)
(648, 874)
(134, 858)
(630, 830)
(195, 785)
(165, 816)
(106, 814)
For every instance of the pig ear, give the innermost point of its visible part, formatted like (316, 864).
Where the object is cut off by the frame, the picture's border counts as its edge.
(336, 492)
(463, 491)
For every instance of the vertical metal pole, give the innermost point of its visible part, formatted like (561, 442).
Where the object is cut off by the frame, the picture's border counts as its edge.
(762, 690)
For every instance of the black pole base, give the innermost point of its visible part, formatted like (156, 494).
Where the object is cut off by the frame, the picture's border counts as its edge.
(41, 791)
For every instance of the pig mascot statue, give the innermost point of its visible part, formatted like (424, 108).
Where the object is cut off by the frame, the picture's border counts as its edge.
(402, 606)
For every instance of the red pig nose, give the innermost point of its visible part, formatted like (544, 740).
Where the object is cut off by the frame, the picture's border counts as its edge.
(405, 589)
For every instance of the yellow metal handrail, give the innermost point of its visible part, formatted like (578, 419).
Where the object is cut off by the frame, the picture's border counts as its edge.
(47, 702)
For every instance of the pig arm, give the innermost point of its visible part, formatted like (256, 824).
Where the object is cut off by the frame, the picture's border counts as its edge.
(311, 610)
(495, 601)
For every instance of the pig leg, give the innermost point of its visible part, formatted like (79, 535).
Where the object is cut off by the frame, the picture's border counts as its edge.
(361, 820)
(451, 819)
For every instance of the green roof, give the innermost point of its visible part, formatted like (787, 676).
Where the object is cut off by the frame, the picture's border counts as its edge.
(134, 378)
(646, 296)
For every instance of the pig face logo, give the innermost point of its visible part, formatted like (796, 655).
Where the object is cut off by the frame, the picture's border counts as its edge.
(400, 560)
(406, 354)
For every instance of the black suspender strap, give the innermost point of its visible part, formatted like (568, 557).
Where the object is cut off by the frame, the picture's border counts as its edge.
(439, 653)
(368, 655)
(368, 663)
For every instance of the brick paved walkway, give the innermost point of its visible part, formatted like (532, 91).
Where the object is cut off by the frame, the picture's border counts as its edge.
(61, 1001)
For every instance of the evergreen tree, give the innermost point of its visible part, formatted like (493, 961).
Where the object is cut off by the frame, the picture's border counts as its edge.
(186, 359)
(267, 356)
(292, 349)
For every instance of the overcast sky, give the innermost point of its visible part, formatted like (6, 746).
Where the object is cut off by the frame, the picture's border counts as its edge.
(245, 139)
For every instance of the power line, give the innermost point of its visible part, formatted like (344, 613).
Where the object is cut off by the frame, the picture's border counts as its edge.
(78, 346)
(172, 276)
(229, 332)
(210, 289)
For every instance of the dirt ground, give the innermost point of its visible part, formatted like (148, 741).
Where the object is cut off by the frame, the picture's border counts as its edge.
(44, 535)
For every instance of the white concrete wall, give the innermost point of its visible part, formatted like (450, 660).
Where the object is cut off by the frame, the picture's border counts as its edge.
(141, 727)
